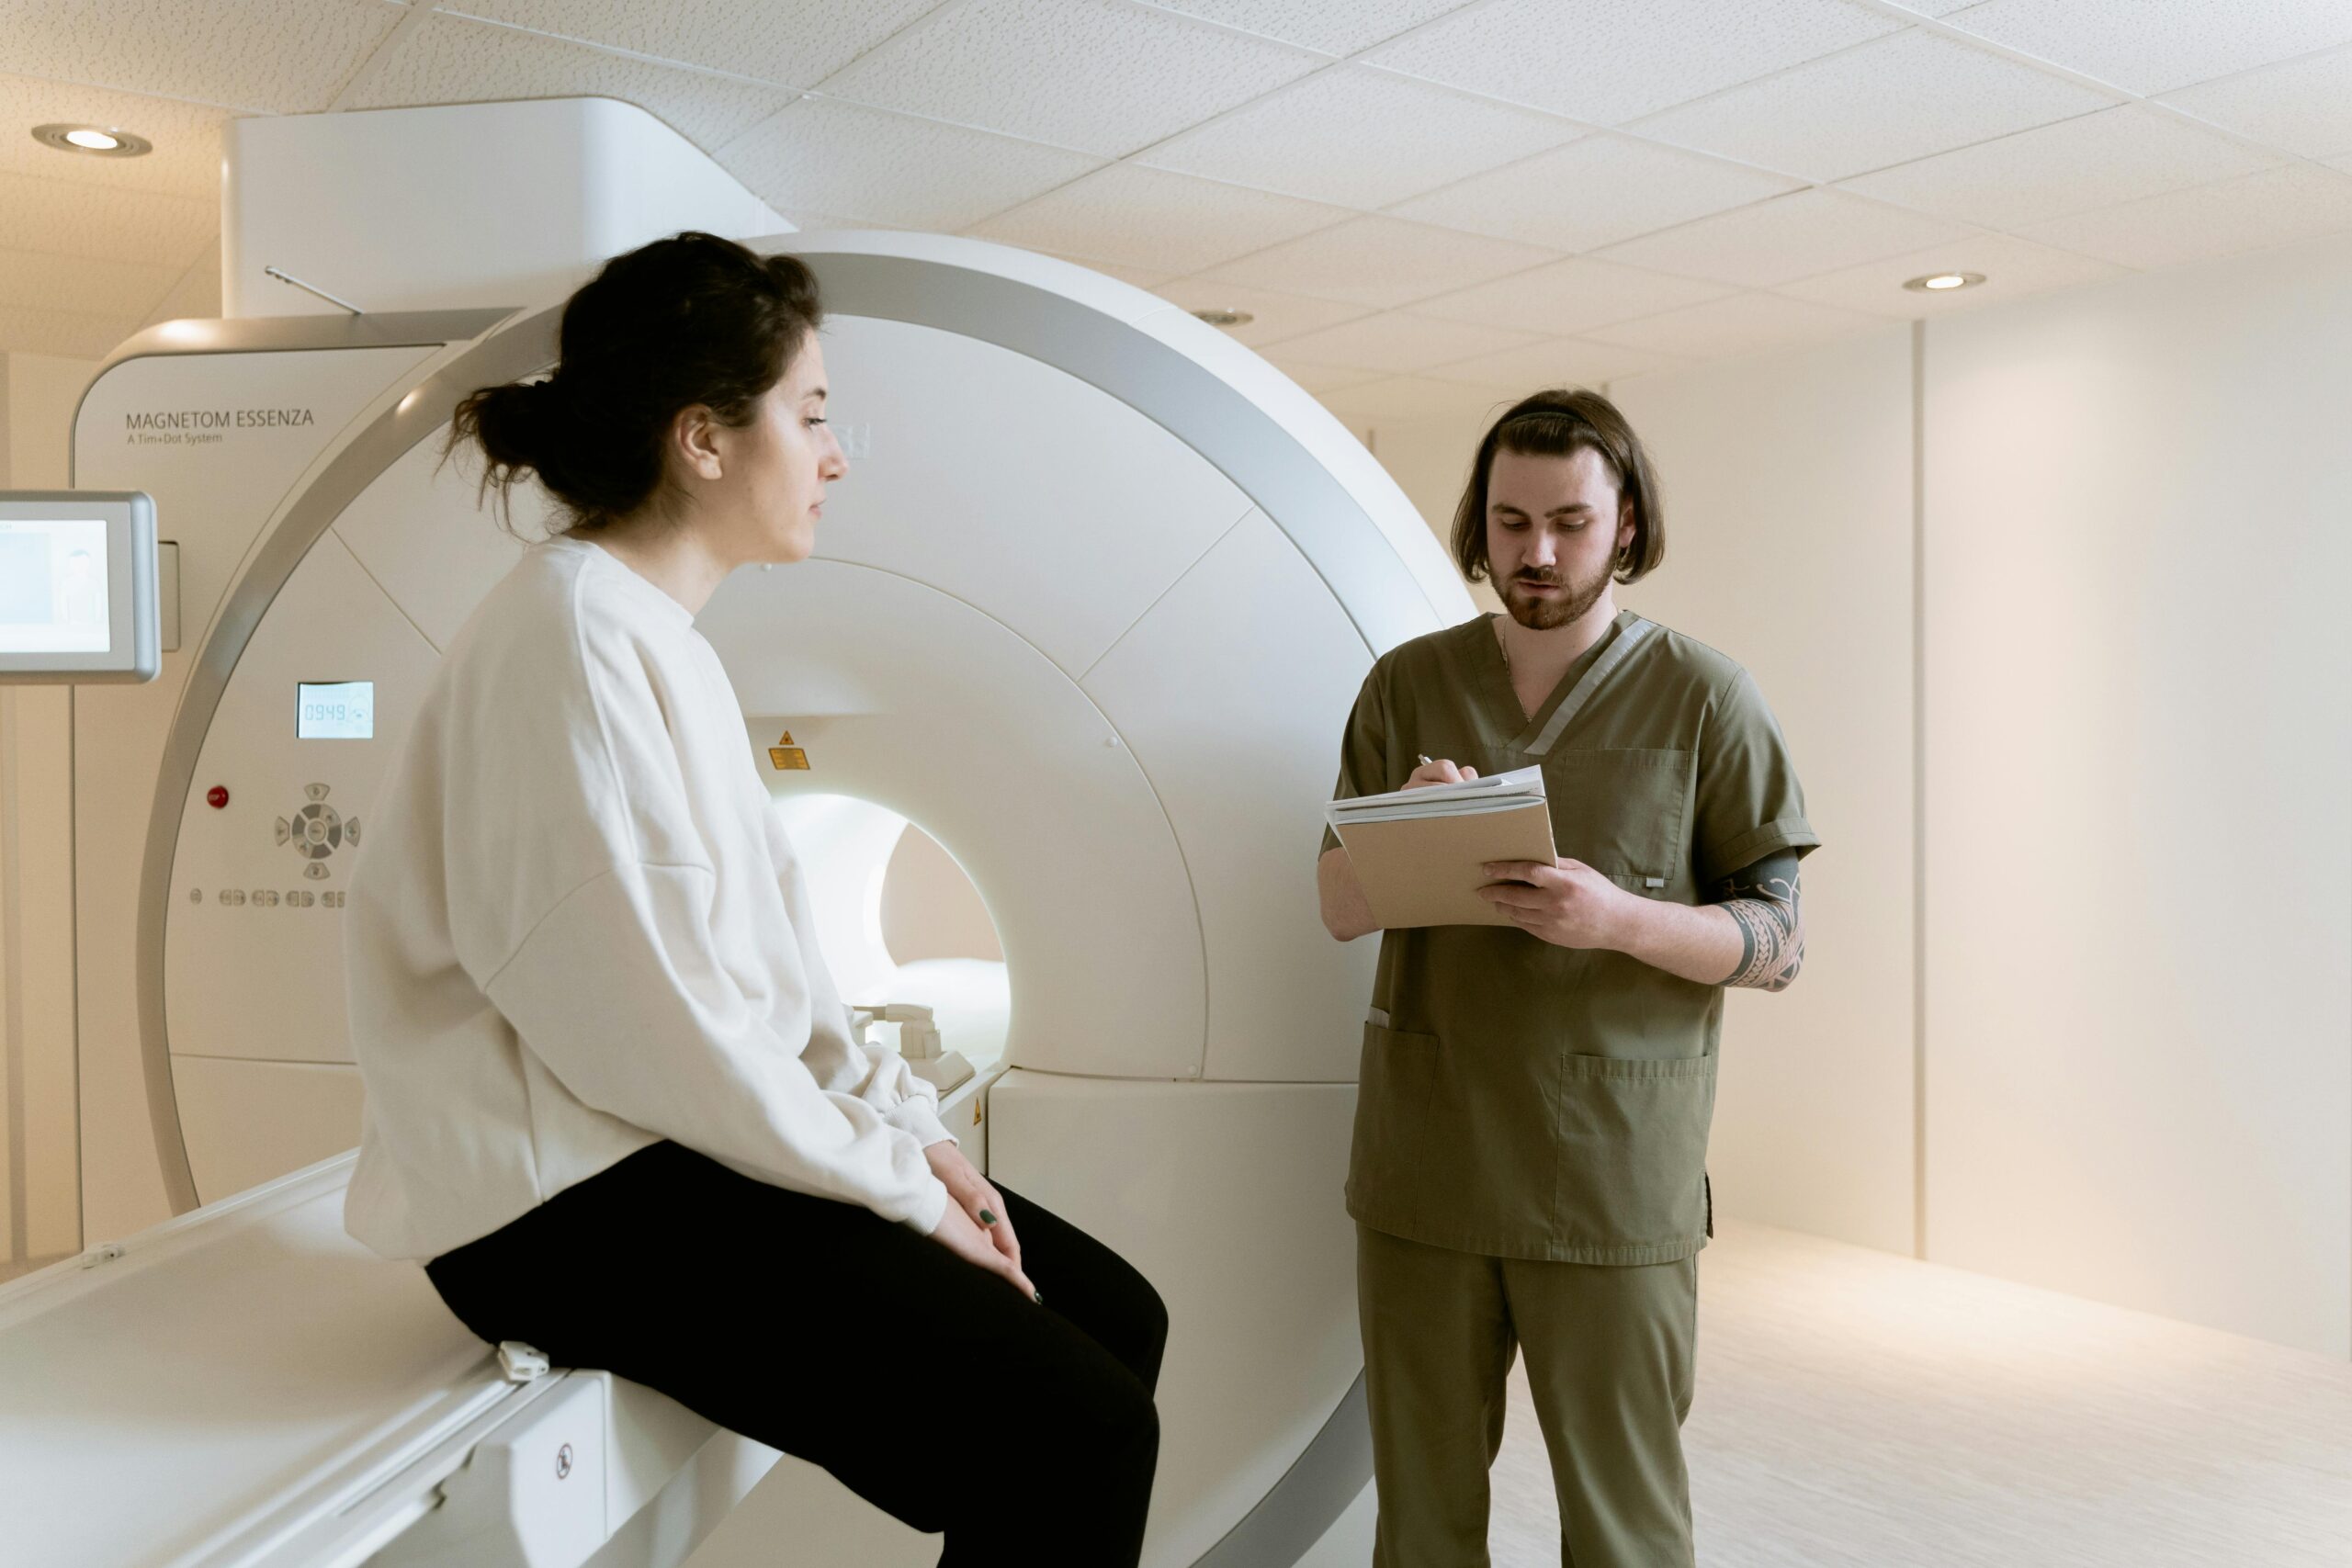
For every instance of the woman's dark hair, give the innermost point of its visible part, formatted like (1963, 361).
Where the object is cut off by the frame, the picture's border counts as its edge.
(1559, 422)
(691, 319)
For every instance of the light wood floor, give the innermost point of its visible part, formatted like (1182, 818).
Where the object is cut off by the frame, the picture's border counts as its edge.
(1859, 1410)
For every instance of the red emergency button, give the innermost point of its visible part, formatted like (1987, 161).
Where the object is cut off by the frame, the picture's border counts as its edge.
(216, 796)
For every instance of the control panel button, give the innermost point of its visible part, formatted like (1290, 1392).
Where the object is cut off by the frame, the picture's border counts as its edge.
(216, 796)
(316, 830)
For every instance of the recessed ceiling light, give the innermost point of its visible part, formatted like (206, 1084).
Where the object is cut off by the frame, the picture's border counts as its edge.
(97, 141)
(1938, 282)
(1218, 318)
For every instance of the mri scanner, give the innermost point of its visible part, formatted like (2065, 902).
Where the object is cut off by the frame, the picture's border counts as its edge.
(1089, 610)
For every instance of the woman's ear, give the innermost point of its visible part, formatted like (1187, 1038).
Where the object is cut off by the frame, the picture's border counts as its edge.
(695, 437)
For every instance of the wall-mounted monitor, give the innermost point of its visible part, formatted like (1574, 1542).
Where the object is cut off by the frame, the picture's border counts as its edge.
(77, 586)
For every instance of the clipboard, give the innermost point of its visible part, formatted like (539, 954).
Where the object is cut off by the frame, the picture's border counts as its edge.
(1426, 870)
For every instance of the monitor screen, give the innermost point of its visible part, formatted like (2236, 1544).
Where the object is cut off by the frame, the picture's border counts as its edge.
(335, 710)
(53, 588)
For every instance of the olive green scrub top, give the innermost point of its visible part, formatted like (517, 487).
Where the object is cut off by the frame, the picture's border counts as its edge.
(1522, 1100)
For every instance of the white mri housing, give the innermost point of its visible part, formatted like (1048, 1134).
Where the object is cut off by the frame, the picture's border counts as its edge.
(1089, 609)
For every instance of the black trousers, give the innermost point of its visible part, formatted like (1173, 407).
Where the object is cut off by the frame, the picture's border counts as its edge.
(822, 1329)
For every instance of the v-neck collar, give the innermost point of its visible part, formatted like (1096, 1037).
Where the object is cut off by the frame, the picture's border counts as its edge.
(1529, 732)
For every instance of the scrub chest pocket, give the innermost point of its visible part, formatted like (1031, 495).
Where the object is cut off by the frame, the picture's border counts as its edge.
(1622, 812)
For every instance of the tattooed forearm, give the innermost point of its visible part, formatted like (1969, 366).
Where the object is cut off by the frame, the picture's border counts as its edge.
(1763, 898)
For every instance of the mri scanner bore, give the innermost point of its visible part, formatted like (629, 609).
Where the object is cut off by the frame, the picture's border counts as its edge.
(1048, 675)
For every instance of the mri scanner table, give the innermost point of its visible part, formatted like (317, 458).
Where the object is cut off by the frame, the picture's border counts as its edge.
(246, 1387)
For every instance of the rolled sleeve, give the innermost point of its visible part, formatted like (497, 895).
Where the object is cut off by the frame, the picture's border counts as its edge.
(1748, 801)
(1363, 752)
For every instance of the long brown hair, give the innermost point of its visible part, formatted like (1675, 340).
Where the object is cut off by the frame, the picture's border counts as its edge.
(1558, 423)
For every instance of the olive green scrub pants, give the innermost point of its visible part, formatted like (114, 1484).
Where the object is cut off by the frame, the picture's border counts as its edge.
(1609, 1360)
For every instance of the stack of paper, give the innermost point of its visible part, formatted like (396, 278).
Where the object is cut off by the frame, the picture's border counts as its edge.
(1421, 855)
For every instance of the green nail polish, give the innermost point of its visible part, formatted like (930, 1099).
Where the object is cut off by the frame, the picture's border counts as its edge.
(987, 1218)
(1039, 1296)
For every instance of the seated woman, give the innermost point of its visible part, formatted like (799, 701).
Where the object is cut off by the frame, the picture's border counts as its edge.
(612, 1092)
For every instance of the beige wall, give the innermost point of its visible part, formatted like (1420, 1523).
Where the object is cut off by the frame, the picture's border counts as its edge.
(2139, 759)
(930, 908)
(39, 1161)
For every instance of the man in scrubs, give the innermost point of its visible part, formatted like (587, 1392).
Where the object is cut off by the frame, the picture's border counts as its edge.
(1529, 1162)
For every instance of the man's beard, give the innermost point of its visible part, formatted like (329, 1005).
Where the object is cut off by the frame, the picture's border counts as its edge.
(1543, 614)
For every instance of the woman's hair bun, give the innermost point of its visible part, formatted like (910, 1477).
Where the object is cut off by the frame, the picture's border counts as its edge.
(690, 320)
(509, 421)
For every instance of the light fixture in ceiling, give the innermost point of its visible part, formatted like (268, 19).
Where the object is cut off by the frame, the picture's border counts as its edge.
(1221, 318)
(97, 140)
(1943, 282)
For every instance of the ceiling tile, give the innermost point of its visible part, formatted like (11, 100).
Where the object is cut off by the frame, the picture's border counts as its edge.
(185, 162)
(1321, 378)
(85, 284)
(826, 156)
(1277, 316)
(1744, 323)
(62, 218)
(1135, 277)
(2304, 105)
(62, 332)
(1568, 296)
(1147, 218)
(2013, 268)
(799, 44)
(1335, 27)
(2154, 46)
(1609, 61)
(1399, 398)
(284, 55)
(1094, 75)
(1563, 362)
(1395, 343)
(2273, 207)
(1593, 193)
(812, 219)
(1359, 138)
(1888, 102)
(452, 60)
(1381, 261)
(2095, 159)
(1787, 237)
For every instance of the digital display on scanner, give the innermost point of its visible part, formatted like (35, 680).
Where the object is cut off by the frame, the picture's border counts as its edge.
(339, 710)
(53, 586)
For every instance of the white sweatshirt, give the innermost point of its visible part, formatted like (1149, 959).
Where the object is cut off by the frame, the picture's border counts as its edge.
(576, 927)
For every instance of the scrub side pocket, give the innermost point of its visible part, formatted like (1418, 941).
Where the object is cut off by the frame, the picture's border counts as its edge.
(1634, 1155)
(1394, 1082)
